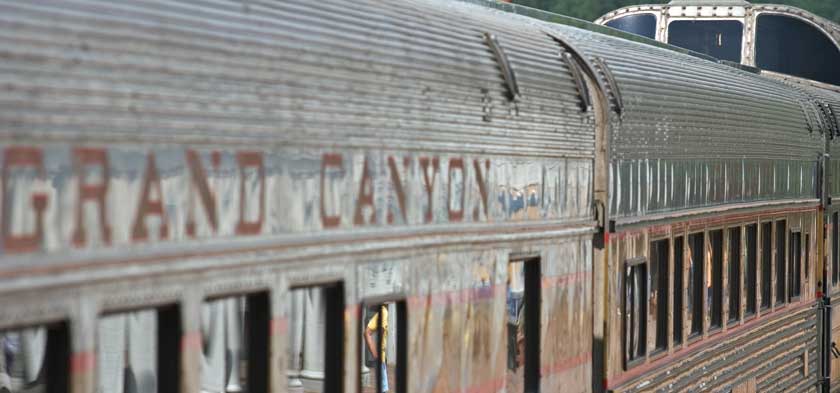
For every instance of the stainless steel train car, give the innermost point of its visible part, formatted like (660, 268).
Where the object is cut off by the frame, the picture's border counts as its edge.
(418, 196)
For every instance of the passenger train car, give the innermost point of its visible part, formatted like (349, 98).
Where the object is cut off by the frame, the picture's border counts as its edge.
(417, 196)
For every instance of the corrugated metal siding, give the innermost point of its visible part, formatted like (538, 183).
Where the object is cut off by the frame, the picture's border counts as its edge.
(281, 72)
(773, 353)
(692, 127)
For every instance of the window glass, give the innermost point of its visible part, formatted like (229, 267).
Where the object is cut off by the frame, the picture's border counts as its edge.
(696, 244)
(766, 263)
(34, 359)
(734, 274)
(316, 328)
(659, 291)
(678, 290)
(640, 24)
(384, 334)
(720, 38)
(795, 259)
(234, 334)
(714, 281)
(127, 352)
(792, 46)
(635, 309)
(835, 247)
(523, 326)
(751, 268)
(781, 261)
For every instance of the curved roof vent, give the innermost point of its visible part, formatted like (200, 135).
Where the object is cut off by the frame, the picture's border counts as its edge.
(724, 3)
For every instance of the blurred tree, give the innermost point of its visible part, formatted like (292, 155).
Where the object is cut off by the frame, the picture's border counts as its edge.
(592, 9)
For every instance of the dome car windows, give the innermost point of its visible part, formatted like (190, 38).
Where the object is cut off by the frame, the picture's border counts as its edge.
(794, 47)
(720, 38)
(639, 24)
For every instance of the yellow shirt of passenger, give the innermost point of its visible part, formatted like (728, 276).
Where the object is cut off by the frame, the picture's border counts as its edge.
(373, 326)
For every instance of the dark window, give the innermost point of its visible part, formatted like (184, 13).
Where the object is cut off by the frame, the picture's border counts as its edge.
(752, 268)
(659, 290)
(696, 243)
(734, 274)
(766, 263)
(678, 290)
(523, 324)
(792, 46)
(720, 39)
(35, 359)
(227, 345)
(807, 255)
(635, 310)
(781, 261)
(640, 24)
(795, 275)
(714, 288)
(835, 248)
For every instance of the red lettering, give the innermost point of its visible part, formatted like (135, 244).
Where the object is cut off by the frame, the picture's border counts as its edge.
(205, 195)
(398, 187)
(23, 157)
(429, 184)
(250, 159)
(455, 215)
(481, 179)
(365, 197)
(329, 160)
(149, 206)
(95, 192)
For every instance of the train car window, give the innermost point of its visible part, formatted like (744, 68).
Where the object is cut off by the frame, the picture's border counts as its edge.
(696, 244)
(734, 273)
(523, 325)
(678, 290)
(139, 351)
(659, 291)
(766, 263)
(635, 310)
(714, 282)
(720, 38)
(807, 247)
(235, 333)
(781, 261)
(835, 248)
(639, 24)
(795, 272)
(385, 339)
(789, 45)
(751, 269)
(35, 359)
(316, 338)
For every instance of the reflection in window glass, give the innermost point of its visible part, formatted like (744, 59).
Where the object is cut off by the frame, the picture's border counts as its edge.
(696, 244)
(659, 291)
(751, 268)
(781, 261)
(795, 277)
(720, 38)
(34, 359)
(734, 274)
(640, 24)
(523, 315)
(714, 281)
(766, 263)
(307, 328)
(792, 46)
(126, 353)
(635, 309)
(226, 342)
(678, 290)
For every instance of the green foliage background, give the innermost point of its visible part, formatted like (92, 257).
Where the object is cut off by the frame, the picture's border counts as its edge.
(592, 9)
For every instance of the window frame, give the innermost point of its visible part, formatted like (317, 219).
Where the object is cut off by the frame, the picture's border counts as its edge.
(678, 308)
(794, 264)
(662, 307)
(765, 264)
(781, 279)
